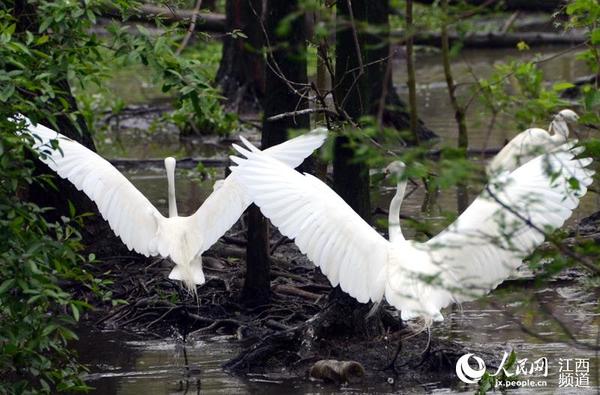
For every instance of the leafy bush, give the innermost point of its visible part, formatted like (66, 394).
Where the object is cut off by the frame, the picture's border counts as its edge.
(36, 314)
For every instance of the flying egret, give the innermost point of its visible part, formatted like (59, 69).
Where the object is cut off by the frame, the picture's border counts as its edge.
(468, 259)
(137, 222)
(533, 142)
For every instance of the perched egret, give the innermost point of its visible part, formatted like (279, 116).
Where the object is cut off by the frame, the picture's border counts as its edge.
(137, 222)
(468, 259)
(533, 142)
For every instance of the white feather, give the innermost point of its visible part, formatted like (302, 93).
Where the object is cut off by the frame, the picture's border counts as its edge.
(532, 143)
(471, 257)
(137, 222)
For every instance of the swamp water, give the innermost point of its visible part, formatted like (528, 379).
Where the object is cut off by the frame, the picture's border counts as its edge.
(125, 363)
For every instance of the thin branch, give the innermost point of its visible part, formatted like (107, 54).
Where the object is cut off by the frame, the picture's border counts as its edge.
(580, 259)
(508, 75)
(410, 71)
(274, 66)
(302, 112)
(355, 36)
(190, 29)
(459, 112)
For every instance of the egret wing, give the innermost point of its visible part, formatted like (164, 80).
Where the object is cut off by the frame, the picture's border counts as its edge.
(508, 221)
(221, 210)
(348, 251)
(293, 152)
(130, 215)
(523, 147)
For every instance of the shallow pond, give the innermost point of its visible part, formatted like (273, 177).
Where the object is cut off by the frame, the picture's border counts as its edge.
(122, 363)
(129, 364)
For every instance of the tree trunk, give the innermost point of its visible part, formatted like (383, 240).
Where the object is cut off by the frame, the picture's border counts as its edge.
(241, 71)
(374, 93)
(359, 90)
(286, 73)
(462, 195)
(351, 179)
(287, 68)
(410, 71)
(257, 283)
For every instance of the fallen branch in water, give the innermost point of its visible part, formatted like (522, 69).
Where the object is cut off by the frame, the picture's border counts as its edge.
(293, 291)
(208, 22)
(498, 40)
(184, 163)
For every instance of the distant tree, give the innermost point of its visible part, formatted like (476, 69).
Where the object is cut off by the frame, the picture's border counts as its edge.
(241, 71)
(284, 77)
(360, 85)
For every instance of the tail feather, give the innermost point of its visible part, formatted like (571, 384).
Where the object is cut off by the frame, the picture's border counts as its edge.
(191, 274)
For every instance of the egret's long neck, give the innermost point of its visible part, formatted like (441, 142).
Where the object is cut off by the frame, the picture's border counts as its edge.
(394, 230)
(170, 167)
(560, 128)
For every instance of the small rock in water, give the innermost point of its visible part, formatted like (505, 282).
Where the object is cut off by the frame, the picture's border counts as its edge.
(337, 371)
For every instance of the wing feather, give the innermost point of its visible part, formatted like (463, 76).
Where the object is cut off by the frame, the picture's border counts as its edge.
(135, 220)
(323, 226)
(118, 201)
(294, 151)
(507, 222)
(221, 210)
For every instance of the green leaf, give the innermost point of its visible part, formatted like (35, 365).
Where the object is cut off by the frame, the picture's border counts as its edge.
(48, 329)
(561, 86)
(143, 30)
(29, 37)
(7, 92)
(6, 285)
(75, 311)
(72, 209)
(595, 37)
(522, 46)
(44, 25)
(10, 29)
(574, 183)
(42, 40)
(91, 16)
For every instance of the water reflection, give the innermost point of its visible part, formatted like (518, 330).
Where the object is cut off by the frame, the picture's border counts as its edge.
(122, 364)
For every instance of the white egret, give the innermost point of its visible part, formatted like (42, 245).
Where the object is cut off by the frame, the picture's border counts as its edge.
(533, 142)
(137, 222)
(468, 259)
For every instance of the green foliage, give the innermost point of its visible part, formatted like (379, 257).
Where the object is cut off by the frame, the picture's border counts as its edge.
(518, 88)
(187, 78)
(36, 313)
(42, 49)
(36, 256)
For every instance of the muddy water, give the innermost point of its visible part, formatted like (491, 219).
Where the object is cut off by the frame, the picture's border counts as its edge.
(122, 363)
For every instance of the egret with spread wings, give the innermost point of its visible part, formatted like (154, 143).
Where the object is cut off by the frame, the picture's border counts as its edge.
(137, 222)
(472, 256)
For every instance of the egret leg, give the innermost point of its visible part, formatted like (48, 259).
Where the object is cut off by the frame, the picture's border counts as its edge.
(392, 365)
(427, 350)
